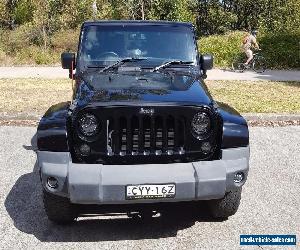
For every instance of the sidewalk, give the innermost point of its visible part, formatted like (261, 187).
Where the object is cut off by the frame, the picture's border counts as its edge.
(270, 75)
(215, 74)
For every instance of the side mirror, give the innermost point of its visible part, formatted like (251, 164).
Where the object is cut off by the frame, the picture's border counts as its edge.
(206, 61)
(68, 60)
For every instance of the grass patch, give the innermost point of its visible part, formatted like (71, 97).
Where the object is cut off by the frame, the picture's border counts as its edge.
(35, 96)
(257, 96)
(32, 95)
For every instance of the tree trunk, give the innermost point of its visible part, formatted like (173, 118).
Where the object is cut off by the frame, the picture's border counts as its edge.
(44, 38)
(142, 10)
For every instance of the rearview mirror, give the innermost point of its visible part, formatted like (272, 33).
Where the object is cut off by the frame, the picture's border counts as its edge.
(68, 60)
(206, 61)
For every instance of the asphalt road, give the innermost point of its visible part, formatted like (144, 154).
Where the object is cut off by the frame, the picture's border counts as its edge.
(270, 203)
(215, 74)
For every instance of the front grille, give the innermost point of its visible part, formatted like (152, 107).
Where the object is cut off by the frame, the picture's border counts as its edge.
(145, 134)
(127, 135)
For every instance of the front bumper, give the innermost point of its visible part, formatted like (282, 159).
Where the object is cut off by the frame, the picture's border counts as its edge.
(105, 184)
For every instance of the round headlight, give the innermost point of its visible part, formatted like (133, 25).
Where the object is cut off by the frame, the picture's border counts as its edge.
(88, 125)
(200, 124)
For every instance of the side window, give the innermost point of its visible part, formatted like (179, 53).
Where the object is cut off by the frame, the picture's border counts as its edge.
(90, 43)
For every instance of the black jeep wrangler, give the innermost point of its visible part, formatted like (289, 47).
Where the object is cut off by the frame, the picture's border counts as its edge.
(142, 131)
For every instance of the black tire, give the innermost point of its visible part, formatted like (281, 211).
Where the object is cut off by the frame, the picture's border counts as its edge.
(259, 64)
(227, 206)
(237, 65)
(59, 209)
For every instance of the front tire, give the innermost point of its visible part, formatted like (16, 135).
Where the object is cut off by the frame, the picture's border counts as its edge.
(227, 206)
(59, 209)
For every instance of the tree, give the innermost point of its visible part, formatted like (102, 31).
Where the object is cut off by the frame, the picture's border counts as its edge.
(175, 10)
(281, 16)
(210, 16)
(22, 12)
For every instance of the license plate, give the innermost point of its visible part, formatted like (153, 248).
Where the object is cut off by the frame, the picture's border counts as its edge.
(150, 191)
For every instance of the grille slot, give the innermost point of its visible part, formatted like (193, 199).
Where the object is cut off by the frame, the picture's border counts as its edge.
(146, 134)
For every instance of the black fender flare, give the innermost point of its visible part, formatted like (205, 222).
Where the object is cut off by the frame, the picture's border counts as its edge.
(52, 132)
(235, 128)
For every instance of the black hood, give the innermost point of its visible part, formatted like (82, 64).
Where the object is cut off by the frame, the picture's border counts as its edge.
(152, 87)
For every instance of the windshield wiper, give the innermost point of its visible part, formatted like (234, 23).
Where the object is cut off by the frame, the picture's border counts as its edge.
(119, 63)
(175, 62)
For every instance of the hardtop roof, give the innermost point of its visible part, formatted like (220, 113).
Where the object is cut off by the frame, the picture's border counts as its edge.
(136, 22)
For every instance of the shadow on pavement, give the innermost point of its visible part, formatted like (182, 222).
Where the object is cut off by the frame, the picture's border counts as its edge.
(25, 207)
(227, 70)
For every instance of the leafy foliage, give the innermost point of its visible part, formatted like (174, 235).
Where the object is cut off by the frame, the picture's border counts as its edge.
(223, 47)
(281, 50)
(52, 25)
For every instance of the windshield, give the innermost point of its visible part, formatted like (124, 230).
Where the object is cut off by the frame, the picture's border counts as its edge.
(102, 45)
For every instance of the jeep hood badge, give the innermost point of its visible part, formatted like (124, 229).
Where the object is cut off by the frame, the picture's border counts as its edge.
(148, 111)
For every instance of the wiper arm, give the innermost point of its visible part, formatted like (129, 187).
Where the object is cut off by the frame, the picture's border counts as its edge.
(119, 63)
(175, 62)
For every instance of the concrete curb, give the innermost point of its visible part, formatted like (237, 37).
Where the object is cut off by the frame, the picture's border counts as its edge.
(4, 116)
(271, 117)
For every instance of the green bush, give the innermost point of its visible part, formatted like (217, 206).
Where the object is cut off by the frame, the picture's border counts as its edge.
(25, 45)
(23, 11)
(36, 55)
(281, 50)
(223, 47)
(21, 37)
(66, 40)
(15, 40)
(2, 55)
